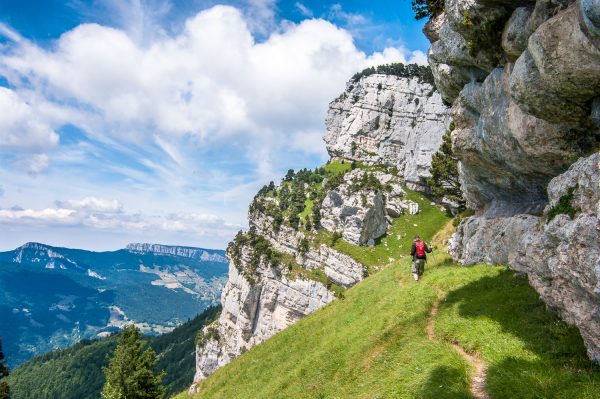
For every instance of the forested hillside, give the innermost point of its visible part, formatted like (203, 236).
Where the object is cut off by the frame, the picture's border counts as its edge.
(76, 372)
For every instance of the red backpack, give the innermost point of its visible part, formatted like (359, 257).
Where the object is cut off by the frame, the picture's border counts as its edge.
(420, 246)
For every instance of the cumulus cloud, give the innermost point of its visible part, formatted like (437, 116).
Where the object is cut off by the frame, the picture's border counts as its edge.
(92, 204)
(48, 215)
(212, 81)
(21, 126)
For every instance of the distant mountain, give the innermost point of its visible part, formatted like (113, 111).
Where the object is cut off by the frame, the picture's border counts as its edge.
(52, 297)
(76, 372)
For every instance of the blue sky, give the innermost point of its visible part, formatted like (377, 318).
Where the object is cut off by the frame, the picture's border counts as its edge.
(157, 121)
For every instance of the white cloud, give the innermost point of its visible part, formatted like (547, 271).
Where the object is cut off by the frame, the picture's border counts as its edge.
(92, 204)
(21, 127)
(336, 12)
(211, 81)
(35, 163)
(62, 216)
(102, 214)
(305, 11)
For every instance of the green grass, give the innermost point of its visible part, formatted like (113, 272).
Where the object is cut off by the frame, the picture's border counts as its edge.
(397, 242)
(337, 167)
(372, 344)
(308, 205)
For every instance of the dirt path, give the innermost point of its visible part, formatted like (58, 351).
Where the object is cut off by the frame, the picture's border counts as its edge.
(477, 384)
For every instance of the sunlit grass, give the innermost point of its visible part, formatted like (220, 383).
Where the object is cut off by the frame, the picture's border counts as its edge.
(373, 343)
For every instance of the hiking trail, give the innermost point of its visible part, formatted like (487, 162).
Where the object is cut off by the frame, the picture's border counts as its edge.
(478, 379)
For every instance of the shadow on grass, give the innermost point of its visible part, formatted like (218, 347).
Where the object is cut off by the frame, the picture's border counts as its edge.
(446, 382)
(561, 367)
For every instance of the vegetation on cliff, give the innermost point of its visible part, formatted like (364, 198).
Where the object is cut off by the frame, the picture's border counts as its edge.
(421, 72)
(427, 8)
(444, 181)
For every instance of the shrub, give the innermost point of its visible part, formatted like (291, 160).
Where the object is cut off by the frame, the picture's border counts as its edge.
(564, 206)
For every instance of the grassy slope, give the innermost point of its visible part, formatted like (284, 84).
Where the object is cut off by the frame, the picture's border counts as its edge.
(373, 344)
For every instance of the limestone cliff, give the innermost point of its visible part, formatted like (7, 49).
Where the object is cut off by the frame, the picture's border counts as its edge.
(524, 80)
(286, 266)
(385, 119)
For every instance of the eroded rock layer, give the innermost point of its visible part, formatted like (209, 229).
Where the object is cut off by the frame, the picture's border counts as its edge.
(385, 119)
(561, 256)
(524, 81)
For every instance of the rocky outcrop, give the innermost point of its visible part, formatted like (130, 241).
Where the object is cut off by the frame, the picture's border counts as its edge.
(358, 213)
(339, 268)
(561, 256)
(253, 312)
(524, 80)
(384, 119)
(363, 206)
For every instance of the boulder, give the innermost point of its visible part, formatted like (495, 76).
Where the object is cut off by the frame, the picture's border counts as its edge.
(358, 215)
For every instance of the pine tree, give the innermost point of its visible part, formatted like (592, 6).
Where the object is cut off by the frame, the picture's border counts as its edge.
(427, 8)
(444, 172)
(130, 374)
(4, 390)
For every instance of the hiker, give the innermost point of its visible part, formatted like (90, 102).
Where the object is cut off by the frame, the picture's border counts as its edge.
(418, 253)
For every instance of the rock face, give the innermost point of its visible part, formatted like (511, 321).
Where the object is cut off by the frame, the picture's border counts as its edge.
(561, 257)
(359, 214)
(383, 119)
(524, 80)
(339, 268)
(262, 298)
(254, 312)
(521, 78)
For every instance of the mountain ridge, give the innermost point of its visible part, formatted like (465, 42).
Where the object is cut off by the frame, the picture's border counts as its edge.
(60, 295)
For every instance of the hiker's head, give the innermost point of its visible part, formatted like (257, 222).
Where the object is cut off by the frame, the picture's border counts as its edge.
(417, 238)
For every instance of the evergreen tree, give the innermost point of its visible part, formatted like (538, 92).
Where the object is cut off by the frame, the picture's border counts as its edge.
(130, 373)
(427, 8)
(4, 390)
(444, 172)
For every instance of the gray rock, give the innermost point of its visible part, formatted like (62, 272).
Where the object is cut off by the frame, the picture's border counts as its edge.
(389, 120)
(359, 216)
(561, 258)
(253, 313)
(516, 32)
(339, 268)
(507, 156)
(521, 120)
